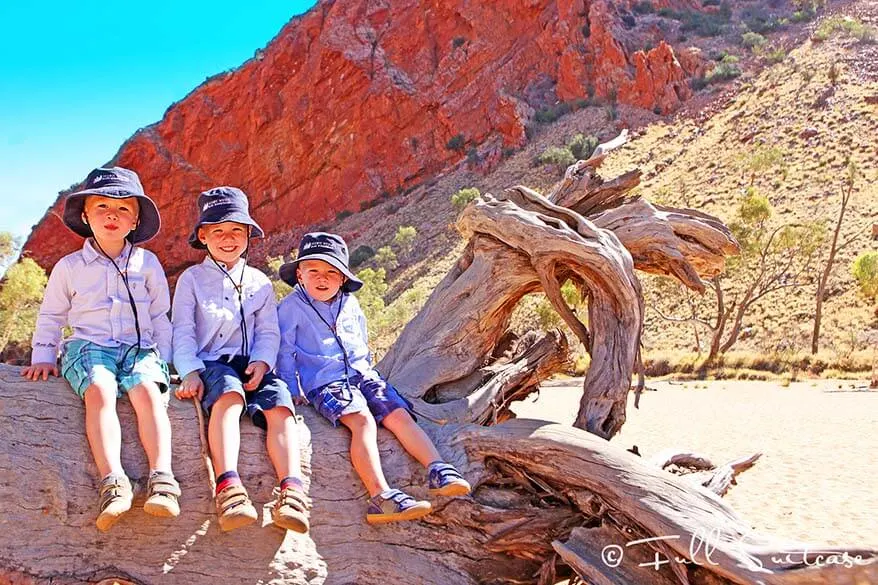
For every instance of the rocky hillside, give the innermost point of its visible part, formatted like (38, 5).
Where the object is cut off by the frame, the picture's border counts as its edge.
(810, 100)
(357, 101)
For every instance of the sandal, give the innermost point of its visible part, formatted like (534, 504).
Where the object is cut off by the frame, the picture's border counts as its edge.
(234, 508)
(445, 480)
(116, 496)
(290, 510)
(163, 492)
(398, 506)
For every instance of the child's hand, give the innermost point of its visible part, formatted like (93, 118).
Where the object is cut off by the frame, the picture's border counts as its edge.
(255, 371)
(37, 371)
(190, 387)
(300, 400)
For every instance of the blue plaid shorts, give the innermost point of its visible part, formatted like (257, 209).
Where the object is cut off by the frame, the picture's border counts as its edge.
(84, 363)
(336, 399)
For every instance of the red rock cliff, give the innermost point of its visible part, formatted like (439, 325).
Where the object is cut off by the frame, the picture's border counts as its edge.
(360, 98)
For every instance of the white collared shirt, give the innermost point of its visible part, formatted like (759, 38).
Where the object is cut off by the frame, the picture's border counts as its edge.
(87, 293)
(206, 315)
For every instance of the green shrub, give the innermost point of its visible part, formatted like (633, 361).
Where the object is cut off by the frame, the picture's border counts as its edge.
(761, 22)
(581, 146)
(456, 143)
(549, 114)
(371, 294)
(865, 271)
(644, 8)
(772, 56)
(802, 16)
(724, 70)
(751, 40)
(703, 24)
(405, 237)
(343, 214)
(560, 156)
(847, 26)
(385, 258)
(462, 198)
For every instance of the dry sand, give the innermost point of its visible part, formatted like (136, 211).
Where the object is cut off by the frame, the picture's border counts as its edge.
(817, 480)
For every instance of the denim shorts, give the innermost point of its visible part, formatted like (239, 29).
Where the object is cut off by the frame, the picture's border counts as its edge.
(337, 399)
(84, 363)
(224, 376)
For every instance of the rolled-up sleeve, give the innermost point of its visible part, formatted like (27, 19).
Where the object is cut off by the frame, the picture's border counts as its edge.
(52, 316)
(266, 335)
(286, 358)
(185, 344)
(159, 306)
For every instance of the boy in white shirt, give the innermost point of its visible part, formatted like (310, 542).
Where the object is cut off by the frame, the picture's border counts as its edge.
(114, 296)
(226, 340)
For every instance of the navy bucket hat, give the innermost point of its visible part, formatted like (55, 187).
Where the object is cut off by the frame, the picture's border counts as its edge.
(330, 248)
(116, 183)
(222, 204)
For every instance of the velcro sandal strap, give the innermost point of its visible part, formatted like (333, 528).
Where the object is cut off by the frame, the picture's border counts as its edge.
(113, 487)
(397, 501)
(295, 498)
(232, 497)
(164, 484)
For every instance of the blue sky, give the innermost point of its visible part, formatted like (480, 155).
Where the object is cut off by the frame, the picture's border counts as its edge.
(78, 78)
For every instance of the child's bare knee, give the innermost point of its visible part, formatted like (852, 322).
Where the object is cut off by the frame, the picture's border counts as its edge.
(147, 390)
(358, 420)
(399, 416)
(99, 394)
(229, 400)
(277, 415)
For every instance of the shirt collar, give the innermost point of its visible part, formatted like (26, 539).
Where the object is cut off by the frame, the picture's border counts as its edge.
(339, 297)
(90, 253)
(211, 263)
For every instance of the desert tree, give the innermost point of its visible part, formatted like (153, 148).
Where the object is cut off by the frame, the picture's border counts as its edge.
(835, 247)
(774, 257)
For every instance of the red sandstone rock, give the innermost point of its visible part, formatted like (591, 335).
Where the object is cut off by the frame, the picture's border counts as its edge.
(360, 98)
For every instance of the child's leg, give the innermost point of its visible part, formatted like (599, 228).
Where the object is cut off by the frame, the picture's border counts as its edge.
(153, 424)
(282, 442)
(224, 432)
(412, 436)
(364, 451)
(390, 410)
(102, 428)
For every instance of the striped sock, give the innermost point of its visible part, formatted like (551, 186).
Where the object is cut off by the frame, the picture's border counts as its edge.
(292, 481)
(227, 479)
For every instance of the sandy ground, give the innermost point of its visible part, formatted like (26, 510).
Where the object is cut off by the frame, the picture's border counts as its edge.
(817, 480)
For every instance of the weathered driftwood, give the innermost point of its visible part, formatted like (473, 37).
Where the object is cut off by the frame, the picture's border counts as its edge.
(587, 230)
(698, 469)
(548, 497)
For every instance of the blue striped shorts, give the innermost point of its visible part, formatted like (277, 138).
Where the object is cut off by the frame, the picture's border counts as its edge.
(84, 363)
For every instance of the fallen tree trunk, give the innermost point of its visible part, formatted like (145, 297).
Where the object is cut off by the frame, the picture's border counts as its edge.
(549, 502)
(547, 498)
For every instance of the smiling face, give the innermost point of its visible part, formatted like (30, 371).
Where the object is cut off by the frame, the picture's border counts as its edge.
(225, 241)
(320, 279)
(110, 219)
